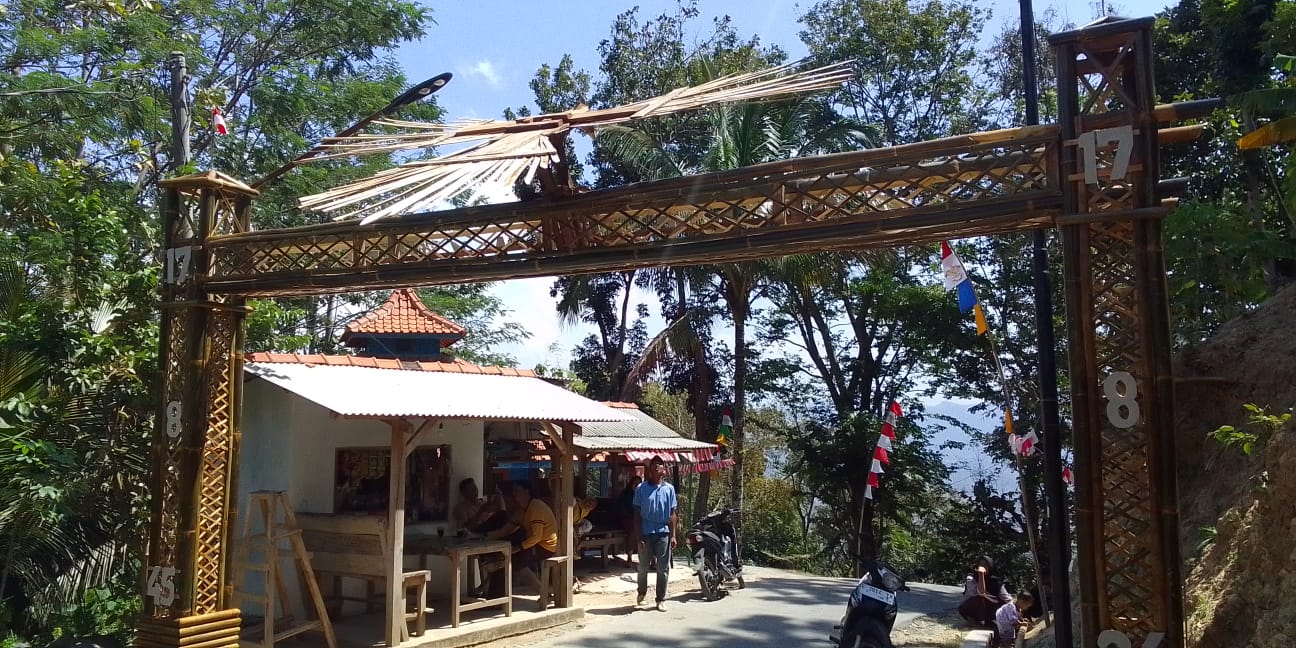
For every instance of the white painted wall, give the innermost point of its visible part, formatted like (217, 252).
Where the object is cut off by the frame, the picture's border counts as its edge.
(291, 444)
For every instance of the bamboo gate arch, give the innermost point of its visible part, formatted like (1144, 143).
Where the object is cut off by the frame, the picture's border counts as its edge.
(1094, 176)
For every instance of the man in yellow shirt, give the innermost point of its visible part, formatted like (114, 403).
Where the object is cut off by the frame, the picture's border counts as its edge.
(535, 539)
(538, 520)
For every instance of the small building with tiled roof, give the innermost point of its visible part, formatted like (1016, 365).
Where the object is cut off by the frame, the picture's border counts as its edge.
(323, 428)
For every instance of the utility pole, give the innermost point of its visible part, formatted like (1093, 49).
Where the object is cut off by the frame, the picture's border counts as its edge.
(179, 112)
(1046, 348)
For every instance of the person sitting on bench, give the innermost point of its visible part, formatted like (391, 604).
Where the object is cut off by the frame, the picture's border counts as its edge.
(539, 536)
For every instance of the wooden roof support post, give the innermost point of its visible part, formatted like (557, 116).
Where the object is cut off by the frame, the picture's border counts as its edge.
(566, 544)
(395, 615)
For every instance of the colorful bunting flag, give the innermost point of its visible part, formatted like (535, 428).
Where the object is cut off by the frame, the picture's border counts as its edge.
(726, 429)
(218, 122)
(1067, 476)
(885, 438)
(956, 279)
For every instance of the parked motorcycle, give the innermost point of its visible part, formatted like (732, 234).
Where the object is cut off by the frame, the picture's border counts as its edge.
(871, 610)
(716, 557)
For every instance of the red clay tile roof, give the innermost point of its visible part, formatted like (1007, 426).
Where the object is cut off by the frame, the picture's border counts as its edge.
(404, 313)
(448, 366)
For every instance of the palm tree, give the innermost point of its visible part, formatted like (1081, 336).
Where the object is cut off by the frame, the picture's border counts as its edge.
(737, 136)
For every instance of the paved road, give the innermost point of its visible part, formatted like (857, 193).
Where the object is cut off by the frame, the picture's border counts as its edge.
(778, 609)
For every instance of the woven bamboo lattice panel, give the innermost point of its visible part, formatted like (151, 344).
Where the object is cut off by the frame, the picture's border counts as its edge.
(170, 455)
(1129, 506)
(970, 185)
(1128, 547)
(212, 554)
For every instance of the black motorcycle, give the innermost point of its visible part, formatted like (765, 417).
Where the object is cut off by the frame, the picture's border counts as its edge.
(871, 610)
(716, 558)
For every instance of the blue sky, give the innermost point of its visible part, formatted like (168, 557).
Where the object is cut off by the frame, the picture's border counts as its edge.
(494, 47)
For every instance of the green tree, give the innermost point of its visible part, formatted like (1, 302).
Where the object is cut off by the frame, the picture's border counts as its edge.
(915, 63)
(84, 127)
(737, 136)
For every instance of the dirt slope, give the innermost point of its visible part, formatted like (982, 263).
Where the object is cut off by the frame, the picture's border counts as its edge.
(1241, 586)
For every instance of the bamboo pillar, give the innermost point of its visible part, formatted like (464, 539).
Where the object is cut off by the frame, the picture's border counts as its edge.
(1127, 515)
(395, 616)
(195, 442)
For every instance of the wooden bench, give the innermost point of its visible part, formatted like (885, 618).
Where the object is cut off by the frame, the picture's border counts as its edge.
(605, 542)
(355, 547)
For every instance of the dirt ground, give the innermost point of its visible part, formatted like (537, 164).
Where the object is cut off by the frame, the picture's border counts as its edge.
(945, 631)
(1239, 511)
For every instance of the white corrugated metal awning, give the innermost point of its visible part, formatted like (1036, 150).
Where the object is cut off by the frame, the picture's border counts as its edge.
(589, 442)
(383, 393)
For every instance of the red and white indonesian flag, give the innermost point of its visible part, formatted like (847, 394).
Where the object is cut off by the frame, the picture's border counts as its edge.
(1067, 476)
(218, 122)
(884, 444)
(1024, 445)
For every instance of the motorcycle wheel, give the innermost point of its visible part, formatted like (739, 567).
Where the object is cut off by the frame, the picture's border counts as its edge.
(709, 580)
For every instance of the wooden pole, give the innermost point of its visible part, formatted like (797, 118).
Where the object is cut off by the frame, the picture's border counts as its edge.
(180, 117)
(564, 512)
(396, 528)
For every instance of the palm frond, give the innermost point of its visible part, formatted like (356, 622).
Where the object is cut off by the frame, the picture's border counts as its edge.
(101, 316)
(19, 372)
(672, 338)
(1269, 101)
(639, 150)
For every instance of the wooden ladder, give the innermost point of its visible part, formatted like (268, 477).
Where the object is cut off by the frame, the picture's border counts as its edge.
(278, 523)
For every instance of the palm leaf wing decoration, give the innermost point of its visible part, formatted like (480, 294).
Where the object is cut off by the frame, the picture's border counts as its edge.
(499, 153)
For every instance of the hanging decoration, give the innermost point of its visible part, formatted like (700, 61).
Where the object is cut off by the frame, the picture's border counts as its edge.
(218, 122)
(726, 429)
(957, 279)
(885, 443)
(1067, 476)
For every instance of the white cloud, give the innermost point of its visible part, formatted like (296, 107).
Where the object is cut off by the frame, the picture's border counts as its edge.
(485, 69)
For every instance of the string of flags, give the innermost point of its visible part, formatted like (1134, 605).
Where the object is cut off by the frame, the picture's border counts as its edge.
(958, 280)
(884, 444)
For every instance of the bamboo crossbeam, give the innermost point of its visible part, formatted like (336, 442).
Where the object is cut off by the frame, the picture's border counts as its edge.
(1006, 180)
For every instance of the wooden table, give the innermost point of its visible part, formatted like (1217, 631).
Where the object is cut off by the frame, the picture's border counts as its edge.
(460, 552)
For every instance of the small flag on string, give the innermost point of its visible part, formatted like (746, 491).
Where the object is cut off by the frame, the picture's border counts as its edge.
(1024, 444)
(726, 429)
(1008, 424)
(884, 441)
(1067, 476)
(956, 279)
(218, 122)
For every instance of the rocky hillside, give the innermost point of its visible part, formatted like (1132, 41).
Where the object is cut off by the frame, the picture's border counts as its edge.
(1239, 511)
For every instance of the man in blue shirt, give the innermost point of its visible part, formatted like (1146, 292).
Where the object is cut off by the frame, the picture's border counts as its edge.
(654, 521)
